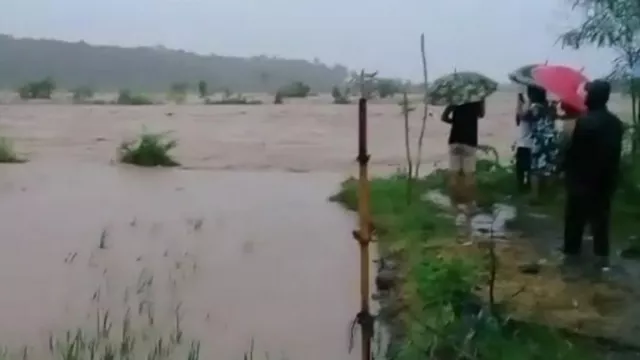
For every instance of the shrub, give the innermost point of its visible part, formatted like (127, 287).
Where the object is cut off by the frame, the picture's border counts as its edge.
(7, 154)
(149, 149)
(203, 89)
(42, 89)
(340, 97)
(82, 94)
(277, 99)
(126, 98)
(296, 89)
(387, 87)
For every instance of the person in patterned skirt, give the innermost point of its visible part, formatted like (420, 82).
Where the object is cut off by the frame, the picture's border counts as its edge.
(544, 138)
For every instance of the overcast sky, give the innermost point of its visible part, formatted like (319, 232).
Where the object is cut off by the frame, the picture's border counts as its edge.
(491, 36)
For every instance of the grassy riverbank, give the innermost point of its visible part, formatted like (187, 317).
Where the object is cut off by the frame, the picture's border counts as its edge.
(440, 304)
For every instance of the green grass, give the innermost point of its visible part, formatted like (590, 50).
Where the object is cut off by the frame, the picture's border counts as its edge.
(437, 286)
(7, 154)
(149, 149)
(496, 183)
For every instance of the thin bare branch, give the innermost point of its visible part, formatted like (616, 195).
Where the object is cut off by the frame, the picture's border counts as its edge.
(425, 101)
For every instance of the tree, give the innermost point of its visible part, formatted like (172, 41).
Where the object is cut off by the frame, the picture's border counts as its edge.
(203, 89)
(387, 87)
(42, 89)
(297, 89)
(613, 24)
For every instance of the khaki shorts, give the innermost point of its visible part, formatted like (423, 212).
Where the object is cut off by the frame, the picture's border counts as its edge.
(462, 158)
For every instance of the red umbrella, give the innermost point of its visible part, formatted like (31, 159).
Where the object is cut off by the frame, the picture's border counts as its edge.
(565, 82)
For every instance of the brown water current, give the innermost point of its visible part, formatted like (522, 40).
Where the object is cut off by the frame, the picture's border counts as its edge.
(241, 255)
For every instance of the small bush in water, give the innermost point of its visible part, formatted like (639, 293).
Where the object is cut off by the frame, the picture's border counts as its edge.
(125, 97)
(82, 94)
(7, 154)
(148, 149)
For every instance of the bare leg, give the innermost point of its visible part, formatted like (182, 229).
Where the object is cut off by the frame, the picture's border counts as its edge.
(535, 187)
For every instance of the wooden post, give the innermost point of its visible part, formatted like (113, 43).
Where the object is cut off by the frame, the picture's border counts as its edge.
(363, 235)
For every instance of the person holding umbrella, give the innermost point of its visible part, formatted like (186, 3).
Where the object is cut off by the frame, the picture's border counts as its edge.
(592, 159)
(537, 149)
(543, 138)
(463, 143)
(463, 94)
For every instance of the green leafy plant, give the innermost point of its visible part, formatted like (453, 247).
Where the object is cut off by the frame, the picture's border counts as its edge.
(125, 97)
(203, 89)
(42, 89)
(149, 149)
(437, 311)
(7, 154)
(387, 87)
(297, 89)
(340, 97)
(614, 25)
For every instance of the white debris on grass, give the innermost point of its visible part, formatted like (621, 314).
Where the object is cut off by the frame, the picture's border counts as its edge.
(484, 224)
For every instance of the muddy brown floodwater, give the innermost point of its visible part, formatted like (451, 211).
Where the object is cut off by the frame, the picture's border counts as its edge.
(254, 253)
(247, 255)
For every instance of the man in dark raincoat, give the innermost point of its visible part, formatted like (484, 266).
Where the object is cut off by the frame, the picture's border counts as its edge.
(592, 166)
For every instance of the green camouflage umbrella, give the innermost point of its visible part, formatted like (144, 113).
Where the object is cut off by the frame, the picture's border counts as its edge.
(460, 88)
(523, 75)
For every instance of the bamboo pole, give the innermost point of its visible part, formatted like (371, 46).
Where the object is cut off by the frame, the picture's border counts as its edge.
(363, 235)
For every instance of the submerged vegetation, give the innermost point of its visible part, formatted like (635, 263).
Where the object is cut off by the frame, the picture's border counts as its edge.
(341, 97)
(149, 149)
(297, 89)
(82, 94)
(7, 154)
(233, 99)
(42, 89)
(125, 97)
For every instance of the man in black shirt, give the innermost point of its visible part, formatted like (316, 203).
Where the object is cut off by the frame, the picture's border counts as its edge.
(463, 143)
(592, 165)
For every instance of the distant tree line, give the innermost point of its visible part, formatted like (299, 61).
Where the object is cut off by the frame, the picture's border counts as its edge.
(73, 65)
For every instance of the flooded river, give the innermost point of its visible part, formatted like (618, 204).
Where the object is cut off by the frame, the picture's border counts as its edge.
(238, 244)
(237, 255)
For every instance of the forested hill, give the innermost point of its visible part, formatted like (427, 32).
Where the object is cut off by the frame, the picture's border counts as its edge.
(151, 68)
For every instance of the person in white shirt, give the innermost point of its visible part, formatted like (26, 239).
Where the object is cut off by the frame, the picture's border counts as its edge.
(523, 147)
